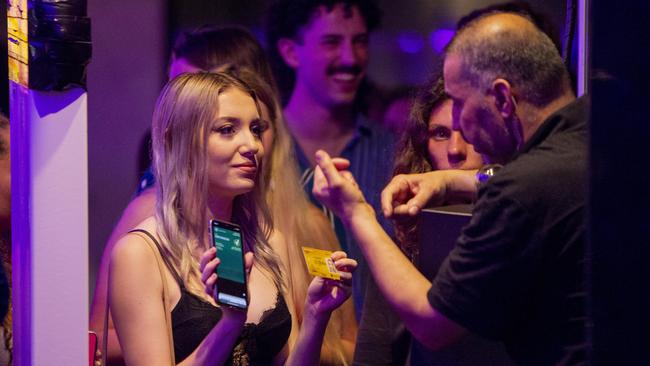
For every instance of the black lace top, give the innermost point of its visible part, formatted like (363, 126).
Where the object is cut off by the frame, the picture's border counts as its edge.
(193, 318)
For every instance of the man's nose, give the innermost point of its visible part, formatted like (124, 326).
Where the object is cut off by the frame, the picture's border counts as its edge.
(348, 54)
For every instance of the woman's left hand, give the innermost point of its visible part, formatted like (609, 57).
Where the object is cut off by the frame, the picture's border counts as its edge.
(325, 295)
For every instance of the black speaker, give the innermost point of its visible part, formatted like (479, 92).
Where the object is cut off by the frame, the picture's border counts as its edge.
(60, 45)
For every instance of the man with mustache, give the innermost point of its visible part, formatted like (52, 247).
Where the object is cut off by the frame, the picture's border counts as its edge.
(323, 46)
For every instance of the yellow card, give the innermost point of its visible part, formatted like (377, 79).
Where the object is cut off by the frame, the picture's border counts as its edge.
(320, 263)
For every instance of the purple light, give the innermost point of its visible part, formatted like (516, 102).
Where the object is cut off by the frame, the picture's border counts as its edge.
(440, 38)
(410, 42)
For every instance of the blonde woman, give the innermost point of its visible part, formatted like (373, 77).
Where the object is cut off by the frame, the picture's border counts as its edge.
(209, 49)
(207, 152)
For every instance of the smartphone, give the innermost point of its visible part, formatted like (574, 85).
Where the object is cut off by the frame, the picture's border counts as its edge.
(231, 288)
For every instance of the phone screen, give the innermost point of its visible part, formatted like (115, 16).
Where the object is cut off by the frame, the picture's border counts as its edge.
(231, 286)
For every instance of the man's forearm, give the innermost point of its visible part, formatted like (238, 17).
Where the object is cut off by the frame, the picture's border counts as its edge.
(461, 185)
(403, 286)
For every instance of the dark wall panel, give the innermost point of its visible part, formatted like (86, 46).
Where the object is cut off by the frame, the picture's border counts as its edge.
(620, 179)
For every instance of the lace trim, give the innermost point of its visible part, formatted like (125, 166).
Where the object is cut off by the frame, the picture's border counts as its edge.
(247, 345)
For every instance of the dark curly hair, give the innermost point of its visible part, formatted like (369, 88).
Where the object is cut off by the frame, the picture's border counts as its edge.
(412, 155)
(285, 18)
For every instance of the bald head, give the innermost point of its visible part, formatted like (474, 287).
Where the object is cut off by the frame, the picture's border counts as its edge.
(493, 24)
(511, 47)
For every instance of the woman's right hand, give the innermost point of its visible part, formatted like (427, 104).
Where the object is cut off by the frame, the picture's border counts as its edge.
(217, 346)
(208, 266)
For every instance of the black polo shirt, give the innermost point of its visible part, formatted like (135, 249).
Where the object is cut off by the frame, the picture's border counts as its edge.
(516, 272)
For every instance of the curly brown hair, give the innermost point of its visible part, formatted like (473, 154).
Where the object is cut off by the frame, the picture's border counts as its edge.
(412, 155)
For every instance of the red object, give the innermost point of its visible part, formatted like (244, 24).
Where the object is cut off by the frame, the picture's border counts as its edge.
(92, 347)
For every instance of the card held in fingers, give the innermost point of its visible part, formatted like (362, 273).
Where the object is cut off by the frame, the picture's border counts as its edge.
(320, 263)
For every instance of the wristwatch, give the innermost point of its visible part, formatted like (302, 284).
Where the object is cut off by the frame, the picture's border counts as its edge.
(487, 171)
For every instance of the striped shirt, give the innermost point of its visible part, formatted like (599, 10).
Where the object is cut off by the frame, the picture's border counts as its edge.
(370, 152)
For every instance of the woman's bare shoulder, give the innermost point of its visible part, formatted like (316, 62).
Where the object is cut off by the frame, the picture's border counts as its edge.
(132, 248)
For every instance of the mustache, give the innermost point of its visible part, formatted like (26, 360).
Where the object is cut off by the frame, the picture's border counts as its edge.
(350, 69)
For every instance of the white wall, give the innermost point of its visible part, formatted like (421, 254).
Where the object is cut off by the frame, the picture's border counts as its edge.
(49, 226)
(124, 78)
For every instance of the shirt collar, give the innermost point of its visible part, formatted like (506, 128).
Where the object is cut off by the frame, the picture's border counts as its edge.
(551, 123)
(363, 128)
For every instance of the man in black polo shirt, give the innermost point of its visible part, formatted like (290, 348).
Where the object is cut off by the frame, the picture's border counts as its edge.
(516, 271)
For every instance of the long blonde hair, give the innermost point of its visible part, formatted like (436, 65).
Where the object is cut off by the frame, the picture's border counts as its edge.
(181, 123)
(294, 216)
(302, 225)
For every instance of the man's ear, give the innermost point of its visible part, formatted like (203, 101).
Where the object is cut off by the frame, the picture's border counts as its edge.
(506, 105)
(503, 98)
(287, 49)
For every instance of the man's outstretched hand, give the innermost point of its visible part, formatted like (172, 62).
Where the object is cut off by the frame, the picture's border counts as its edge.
(335, 187)
(407, 194)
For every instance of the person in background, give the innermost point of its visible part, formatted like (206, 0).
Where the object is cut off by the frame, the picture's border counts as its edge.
(516, 272)
(211, 48)
(6, 324)
(428, 143)
(397, 109)
(322, 46)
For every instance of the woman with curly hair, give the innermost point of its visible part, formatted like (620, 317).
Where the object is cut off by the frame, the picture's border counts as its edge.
(428, 143)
